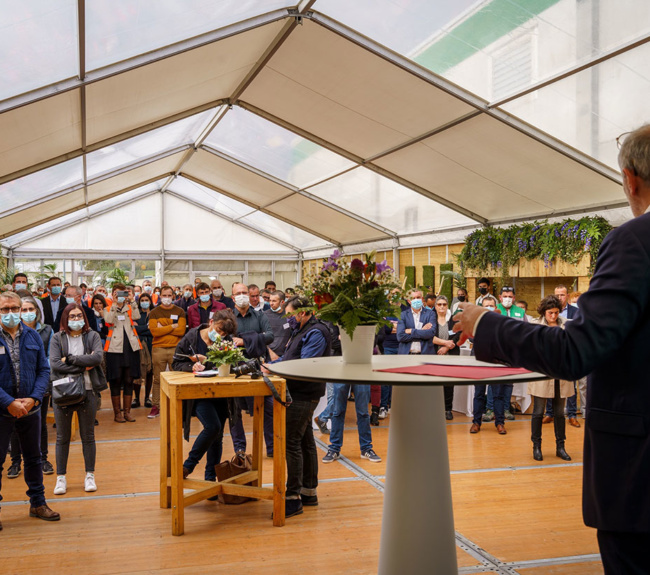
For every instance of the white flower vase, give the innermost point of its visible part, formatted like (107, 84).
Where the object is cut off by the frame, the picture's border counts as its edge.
(224, 370)
(359, 348)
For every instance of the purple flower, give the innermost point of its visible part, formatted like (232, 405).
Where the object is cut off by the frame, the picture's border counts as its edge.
(356, 264)
(330, 265)
(335, 254)
(499, 264)
(382, 267)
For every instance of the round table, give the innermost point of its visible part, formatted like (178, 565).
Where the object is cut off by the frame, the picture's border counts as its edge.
(417, 533)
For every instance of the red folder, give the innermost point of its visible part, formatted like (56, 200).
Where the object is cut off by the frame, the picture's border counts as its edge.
(459, 371)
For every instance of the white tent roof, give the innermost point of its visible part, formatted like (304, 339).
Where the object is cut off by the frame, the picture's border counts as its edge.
(274, 127)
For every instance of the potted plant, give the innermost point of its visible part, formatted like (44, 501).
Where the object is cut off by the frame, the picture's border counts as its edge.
(224, 353)
(357, 296)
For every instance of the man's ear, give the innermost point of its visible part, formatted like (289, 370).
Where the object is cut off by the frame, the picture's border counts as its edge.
(632, 181)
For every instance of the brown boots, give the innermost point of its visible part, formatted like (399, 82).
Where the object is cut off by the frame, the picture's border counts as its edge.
(117, 408)
(127, 409)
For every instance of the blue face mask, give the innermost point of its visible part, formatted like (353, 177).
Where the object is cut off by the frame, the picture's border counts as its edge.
(10, 319)
(120, 299)
(29, 316)
(416, 304)
(76, 325)
(144, 304)
(205, 297)
(276, 309)
(187, 294)
(213, 335)
(293, 322)
(56, 290)
(69, 300)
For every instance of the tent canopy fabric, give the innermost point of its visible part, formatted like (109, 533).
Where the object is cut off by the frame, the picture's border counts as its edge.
(274, 127)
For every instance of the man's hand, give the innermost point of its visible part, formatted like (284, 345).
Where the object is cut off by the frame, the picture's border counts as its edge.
(174, 325)
(17, 408)
(28, 402)
(238, 341)
(443, 350)
(427, 326)
(408, 330)
(450, 344)
(466, 320)
(198, 367)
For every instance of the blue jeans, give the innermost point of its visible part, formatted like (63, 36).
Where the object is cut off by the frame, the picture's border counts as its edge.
(571, 405)
(326, 414)
(361, 401)
(507, 397)
(480, 402)
(29, 433)
(239, 435)
(212, 413)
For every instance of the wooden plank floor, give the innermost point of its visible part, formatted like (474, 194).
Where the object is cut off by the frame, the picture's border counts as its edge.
(511, 512)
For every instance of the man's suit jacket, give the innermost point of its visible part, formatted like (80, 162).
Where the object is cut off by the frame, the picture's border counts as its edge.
(612, 347)
(48, 317)
(424, 336)
(90, 317)
(572, 311)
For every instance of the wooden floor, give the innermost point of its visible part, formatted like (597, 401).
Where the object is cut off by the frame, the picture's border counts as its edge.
(513, 515)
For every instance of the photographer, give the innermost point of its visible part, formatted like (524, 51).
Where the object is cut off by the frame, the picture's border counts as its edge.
(309, 338)
(211, 412)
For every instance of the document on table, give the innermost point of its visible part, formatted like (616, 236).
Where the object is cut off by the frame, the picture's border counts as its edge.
(206, 373)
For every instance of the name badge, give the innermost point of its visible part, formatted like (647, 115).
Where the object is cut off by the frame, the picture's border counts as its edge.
(2, 349)
(286, 326)
(121, 317)
(174, 317)
(211, 314)
(62, 381)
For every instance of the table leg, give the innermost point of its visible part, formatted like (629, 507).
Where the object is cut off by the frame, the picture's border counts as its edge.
(176, 444)
(258, 438)
(418, 521)
(165, 455)
(279, 461)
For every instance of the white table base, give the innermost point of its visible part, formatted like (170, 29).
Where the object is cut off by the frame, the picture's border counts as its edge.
(417, 533)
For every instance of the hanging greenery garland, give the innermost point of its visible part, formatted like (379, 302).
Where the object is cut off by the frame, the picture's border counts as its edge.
(491, 248)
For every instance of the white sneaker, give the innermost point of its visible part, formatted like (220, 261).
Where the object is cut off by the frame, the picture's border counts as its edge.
(383, 413)
(61, 486)
(90, 484)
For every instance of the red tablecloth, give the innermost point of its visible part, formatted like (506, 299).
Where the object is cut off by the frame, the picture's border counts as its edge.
(460, 371)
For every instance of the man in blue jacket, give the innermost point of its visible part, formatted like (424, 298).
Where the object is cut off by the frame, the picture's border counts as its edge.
(24, 377)
(416, 328)
(613, 349)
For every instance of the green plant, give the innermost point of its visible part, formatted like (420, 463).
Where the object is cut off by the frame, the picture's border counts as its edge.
(110, 277)
(355, 293)
(492, 248)
(457, 278)
(446, 287)
(47, 271)
(6, 274)
(223, 352)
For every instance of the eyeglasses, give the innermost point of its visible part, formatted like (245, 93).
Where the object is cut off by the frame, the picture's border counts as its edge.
(442, 304)
(620, 139)
(507, 288)
(75, 317)
(10, 309)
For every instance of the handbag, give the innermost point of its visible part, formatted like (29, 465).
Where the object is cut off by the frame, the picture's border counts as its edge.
(227, 469)
(69, 390)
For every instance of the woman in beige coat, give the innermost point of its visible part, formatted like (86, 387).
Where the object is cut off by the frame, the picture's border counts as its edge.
(557, 390)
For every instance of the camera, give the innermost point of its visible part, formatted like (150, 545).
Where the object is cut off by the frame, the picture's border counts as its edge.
(252, 367)
(122, 294)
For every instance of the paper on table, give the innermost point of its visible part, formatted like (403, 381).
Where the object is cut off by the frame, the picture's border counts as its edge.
(459, 371)
(206, 373)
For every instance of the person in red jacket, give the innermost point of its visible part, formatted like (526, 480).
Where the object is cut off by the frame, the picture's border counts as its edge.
(203, 310)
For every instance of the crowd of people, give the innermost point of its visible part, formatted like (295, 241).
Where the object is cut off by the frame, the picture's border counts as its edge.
(125, 337)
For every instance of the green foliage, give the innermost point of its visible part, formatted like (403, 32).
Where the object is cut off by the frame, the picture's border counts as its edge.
(457, 278)
(47, 271)
(499, 248)
(6, 273)
(110, 277)
(446, 281)
(429, 277)
(223, 352)
(409, 274)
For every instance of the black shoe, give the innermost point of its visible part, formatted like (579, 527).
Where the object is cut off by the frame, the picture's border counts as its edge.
(292, 507)
(135, 403)
(449, 415)
(47, 468)
(96, 423)
(537, 453)
(374, 418)
(147, 403)
(309, 500)
(14, 471)
(561, 452)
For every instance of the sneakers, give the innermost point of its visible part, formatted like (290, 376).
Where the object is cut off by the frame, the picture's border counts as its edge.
(509, 415)
(488, 415)
(135, 403)
(61, 485)
(14, 471)
(89, 483)
(155, 412)
(370, 455)
(331, 456)
(322, 425)
(383, 413)
(147, 403)
(47, 468)
(374, 418)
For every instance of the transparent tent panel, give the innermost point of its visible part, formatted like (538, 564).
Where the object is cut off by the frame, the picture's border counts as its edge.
(282, 231)
(585, 111)
(41, 184)
(120, 29)
(273, 149)
(146, 145)
(123, 198)
(387, 203)
(214, 200)
(38, 43)
(495, 48)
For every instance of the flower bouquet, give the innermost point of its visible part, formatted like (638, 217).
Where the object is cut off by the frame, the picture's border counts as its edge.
(224, 353)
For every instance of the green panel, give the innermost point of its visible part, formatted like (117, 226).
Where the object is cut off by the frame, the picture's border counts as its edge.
(448, 284)
(429, 278)
(495, 20)
(409, 273)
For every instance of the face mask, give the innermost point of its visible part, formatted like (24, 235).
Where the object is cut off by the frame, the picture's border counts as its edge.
(276, 309)
(40, 292)
(120, 299)
(490, 307)
(188, 295)
(156, 293)
(56, 290)
(29, 316)
(461, 298)
(416, 304)
(148, 289)
(482, 291)
(213, 335)
(144, 304)
(20, 286)
(242, 300)
(90, 293)
(76, 325)
(69, 300)
(293, 322)
(217, 292)
(205, 297)
(10, 319)
(166, 300)
(507, 302)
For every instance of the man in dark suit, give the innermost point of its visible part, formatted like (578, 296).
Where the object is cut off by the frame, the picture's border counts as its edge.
(73, 294)
(613, 349)
(416, 328)
(52, 302)
(568, 311)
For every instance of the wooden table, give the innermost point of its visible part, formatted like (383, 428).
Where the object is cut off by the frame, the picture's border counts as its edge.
(175, 386)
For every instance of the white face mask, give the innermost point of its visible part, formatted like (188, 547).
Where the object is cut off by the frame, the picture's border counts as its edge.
(148, 289)
(506, 302)
(490, 307)
(242, 300)
(20, 286)
(166, 300)
(217, 292)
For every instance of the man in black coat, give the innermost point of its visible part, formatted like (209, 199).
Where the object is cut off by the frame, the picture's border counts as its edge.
(73, 294)
(612, 347)
(52, 302)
